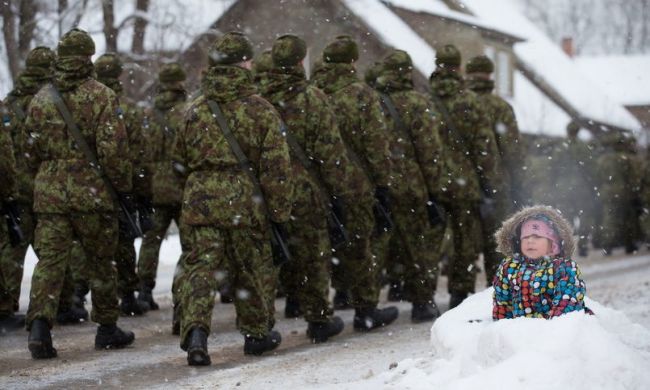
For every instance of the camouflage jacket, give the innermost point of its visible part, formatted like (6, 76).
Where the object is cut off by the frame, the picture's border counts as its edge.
(502, 121)
(472, 156)
(162, 123)
(417, 148)
(359, 118)
(65, 180)
(217, 192)
(306, 112)
(17, 102)
(7, 161)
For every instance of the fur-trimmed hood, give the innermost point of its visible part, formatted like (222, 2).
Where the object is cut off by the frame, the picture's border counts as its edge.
(507, 236)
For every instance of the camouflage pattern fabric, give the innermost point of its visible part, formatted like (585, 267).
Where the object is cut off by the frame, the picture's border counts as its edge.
(364, 132)
(150, 248)
(227, 226)
(417, 153)
(7, 189)
(472, 172)
(645, 199)
(70, 198)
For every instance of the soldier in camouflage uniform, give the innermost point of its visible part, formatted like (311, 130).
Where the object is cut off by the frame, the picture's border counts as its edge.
(472, 160)
(108, 68)
(38, 72)
(418, 156)
(501, 120)
(71, 201)
(364, 132)
(8, 320)
(310, 121)
(645, 197)
(619, 177)
(163, 121)
(226, 223)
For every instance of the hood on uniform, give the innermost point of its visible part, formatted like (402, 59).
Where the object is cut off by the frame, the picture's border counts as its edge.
(108, 66)
(448, 56)
(342, 50)
(263, 62)
(171, 73)
(398, 60)
(372, 73)
(288, 50)
(40, 57)
(75, 42)
(479, 64)
(231, 48)
(508, 236)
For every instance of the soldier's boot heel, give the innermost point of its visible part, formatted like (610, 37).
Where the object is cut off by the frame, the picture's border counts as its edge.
(40, 340)
(197, 348)
(320, 332)
(131, 306)
(112, 337)
(396, 292)
(341, 300)
(424, 312)
(456, 299)
(366, 319)
(145, 299)
(292, 308)
(257, 346)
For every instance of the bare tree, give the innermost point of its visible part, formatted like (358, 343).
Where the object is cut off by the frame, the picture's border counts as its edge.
(140, 26)
(18, 25)
(110, 31)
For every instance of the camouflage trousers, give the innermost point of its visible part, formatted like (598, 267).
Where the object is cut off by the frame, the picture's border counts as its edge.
(466, 227)
(414, 251)
(150, 249)
(238, 255)
(56, 235)
(76, 278)
(306, 276)
(12, 260)
(127, 279)
(355, 268)
(488, 244)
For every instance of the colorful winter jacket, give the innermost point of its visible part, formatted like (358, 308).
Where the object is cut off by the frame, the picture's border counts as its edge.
(537, 288)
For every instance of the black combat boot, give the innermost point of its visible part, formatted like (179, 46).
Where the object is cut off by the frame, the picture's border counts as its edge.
(396, 292)
(196, 346)
(341, 300)
(40, 340)
(456, 299)
(225, 293)
(176, 322)
(112, 337)
(11, 322)
(369, 318)
(145, 298)
(423, 312)
(319, 332)
(71, 315)
(292, 308)
(257, 346)
(131, 306)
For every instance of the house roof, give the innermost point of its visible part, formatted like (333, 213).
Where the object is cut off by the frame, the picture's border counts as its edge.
(626, 78)
(548, 65)
(440, 9)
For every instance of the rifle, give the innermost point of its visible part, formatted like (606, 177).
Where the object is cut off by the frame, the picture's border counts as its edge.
(126, 216)
(12, 217)
(337, 232)
(434, 211)
(279, 246)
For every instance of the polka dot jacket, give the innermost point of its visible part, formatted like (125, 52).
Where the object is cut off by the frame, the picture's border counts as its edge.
(537, 288)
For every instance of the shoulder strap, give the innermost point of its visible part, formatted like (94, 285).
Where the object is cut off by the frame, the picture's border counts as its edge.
(449, 123)
(73, 129)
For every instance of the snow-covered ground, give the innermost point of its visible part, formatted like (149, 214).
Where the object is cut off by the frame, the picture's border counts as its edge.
(608, 351)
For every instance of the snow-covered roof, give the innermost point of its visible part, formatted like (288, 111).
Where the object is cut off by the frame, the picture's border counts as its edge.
(626, 78)
(553, 66)
(439, 8)
(392, 30)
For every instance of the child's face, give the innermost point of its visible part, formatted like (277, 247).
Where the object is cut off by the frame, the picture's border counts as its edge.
(535, 246)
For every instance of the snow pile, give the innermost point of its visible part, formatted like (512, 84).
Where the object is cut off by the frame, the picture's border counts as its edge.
(625, 77)
(575, 351)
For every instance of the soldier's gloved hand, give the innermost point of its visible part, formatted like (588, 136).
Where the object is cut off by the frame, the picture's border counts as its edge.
(338, 208)
(11, 208)
(11, 211)
(279, 241)
(127, 217)
(145, 213)
(128, 202)
(436, 212)
(382, 194)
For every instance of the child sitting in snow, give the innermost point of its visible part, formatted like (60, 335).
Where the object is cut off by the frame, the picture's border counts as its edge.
(537, 278)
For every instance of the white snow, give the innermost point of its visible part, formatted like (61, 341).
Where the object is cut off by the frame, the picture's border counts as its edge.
(553, 65)
(575, 351)
(392, 30)
(626, 78)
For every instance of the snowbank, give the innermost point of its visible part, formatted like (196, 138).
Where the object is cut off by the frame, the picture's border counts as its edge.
(575, 351)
